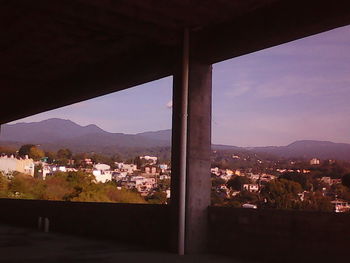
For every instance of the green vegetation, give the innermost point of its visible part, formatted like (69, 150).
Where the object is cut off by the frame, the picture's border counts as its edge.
(237, 182)
(69, 186)
(281, 194)
(31, 151)
(290, 184)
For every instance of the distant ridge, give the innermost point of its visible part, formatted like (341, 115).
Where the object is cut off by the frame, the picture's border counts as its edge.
(53, 134)
(309, 149)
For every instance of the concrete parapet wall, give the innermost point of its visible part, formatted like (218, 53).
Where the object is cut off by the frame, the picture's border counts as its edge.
(136, 223)
(279, 236)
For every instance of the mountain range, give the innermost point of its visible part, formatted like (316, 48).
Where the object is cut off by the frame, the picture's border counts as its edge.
(53, 134)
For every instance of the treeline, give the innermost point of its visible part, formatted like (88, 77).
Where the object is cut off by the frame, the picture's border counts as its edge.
(109, 156)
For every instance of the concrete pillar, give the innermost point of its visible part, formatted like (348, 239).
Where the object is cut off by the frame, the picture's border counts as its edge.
(176, 152)
(198, 182)
(198, 134)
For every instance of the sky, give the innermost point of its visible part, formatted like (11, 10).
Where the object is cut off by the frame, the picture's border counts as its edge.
(296, 91)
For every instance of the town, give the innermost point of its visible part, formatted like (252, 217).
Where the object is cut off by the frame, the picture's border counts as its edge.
(143, 177)
(239, 179)
(311, 185)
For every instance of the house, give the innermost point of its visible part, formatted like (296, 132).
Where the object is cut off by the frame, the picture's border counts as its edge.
(225, 177)
(142, 184)
(267, 177)
(151, 159)
(253, 188)
(326, 180)
(88, 161)
(255, 177)
(11, 164)
(102, 173)
(329, 181)
(215, 171)
(164, 177)
(163, 167)
(129, 168)
(340, 206)
(314, 161)
(229, 172)
(150, 169)
(119, 176)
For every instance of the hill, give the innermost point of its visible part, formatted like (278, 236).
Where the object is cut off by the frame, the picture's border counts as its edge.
(53, 134)
(309, 149)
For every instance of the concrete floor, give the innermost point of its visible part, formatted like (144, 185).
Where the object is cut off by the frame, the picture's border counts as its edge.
(22, 245)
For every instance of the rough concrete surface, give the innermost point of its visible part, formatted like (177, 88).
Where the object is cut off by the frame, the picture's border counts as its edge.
(25, 245)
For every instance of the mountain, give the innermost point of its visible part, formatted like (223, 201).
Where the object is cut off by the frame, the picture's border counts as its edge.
(164, 135)
(309, 149)
(53, 134)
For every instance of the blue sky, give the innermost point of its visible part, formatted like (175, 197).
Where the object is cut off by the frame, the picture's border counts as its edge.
(299, 90)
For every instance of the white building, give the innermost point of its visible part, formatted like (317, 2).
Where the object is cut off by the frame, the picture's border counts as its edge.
(238, 172)
(11, 164)
(340, 206)
(251, 187)
(314, 161)
(102, 167)
(129, 168)
(225, 177)
(150, 169)
(142, 184)
(102, 173)
(215, 171)
(163, 167)
(254, 177)
(102, 176)
(229, 172)
(267, 177)
(164, 177)
(153, 159)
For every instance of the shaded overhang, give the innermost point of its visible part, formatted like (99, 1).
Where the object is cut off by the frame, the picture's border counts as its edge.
(58, 52)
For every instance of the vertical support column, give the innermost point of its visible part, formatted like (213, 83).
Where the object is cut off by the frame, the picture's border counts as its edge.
(191, 166)
(179, 148)
(198, 156)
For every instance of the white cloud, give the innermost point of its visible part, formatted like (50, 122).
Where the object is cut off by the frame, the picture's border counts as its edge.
(239, 88)
(169, 105)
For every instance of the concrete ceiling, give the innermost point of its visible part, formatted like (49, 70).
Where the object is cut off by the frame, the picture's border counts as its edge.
(54, 53)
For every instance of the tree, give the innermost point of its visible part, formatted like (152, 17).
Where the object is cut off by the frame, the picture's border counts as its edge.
(281, 194)
(237, 182)
(51, 156)
(346, 180)
(7, 150)
(4, 183)
(302, 179)
(25, 149)
(217, 181)
(31, 151)
(64, 154)
(317, 202)
(158, 198)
